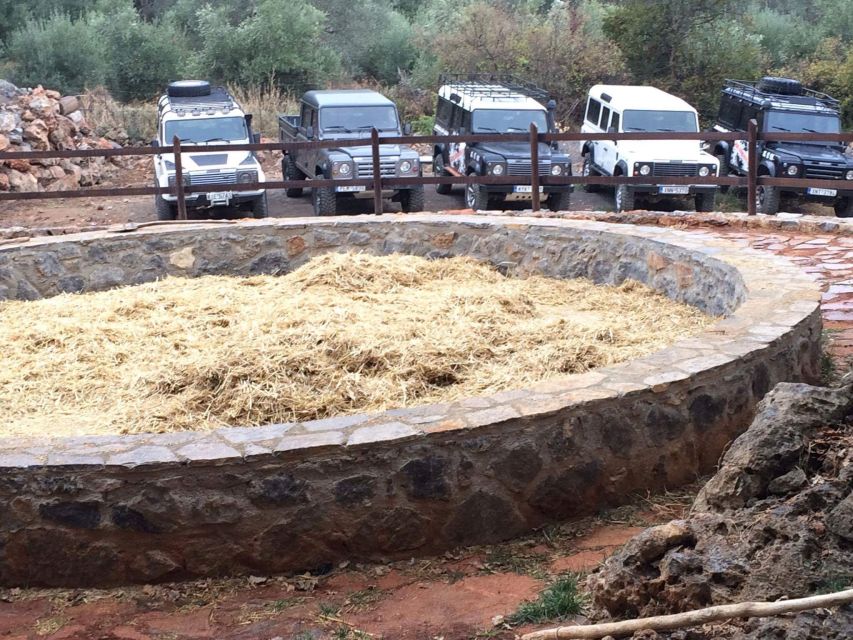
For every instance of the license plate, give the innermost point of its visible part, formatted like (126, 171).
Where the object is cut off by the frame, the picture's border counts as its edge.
(675, 189)
(219, 197)
(526, 188)
(814, 191)
(350, 189)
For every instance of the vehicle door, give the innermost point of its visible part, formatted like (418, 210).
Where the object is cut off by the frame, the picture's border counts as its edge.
(307, 160)
(739, 157)
(456, 150)
(590, 125)
(606, 151)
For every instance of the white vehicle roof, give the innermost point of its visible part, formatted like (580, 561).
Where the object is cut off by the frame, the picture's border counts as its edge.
(625, 96)
(480, 95)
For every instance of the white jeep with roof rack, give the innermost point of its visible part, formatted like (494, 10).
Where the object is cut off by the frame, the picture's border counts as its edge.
(625, 109)
(199, 115)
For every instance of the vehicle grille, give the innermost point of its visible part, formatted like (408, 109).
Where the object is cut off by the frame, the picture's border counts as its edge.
(824, 172)
(387, 168)
(525, 168)
(213, 178)
(674, 169)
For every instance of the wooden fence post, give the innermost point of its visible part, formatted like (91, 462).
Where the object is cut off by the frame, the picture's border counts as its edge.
(377, 173)
(534, 166)
(752, 162)
(179, 179)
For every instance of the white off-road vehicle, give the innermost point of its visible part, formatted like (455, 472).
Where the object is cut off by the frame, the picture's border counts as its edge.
(199, 115)
(623, 108)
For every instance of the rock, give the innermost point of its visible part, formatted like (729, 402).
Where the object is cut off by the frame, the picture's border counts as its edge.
(19, 181)
(4, 142)
(68, 104)
(9, 121)
(37, 132)
(4, 182)
(652, 543)
(788, 483)
(7, 89)
(840, 519)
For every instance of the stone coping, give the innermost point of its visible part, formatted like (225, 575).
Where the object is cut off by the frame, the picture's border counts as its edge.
(100, 510)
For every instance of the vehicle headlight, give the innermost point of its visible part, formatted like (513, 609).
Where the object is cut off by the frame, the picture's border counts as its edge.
(405, 166)
(793, 170)
(849, 175)
(496, 169)
(341, 169)
(186, 180)
(556, 169)
(645, 170)
(704, 172)
(245, 177)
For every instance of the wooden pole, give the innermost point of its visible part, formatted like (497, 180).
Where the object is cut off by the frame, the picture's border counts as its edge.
(534, 168)
(179, 179)
(752, 162)
(693, 618)
(377, 173)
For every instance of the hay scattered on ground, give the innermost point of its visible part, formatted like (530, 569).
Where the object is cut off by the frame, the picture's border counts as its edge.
(346, 333)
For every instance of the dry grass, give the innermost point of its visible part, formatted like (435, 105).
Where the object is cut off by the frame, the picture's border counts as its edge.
(346, 333)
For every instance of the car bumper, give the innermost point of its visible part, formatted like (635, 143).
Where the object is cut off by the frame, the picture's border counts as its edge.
(516, 189)
(692, 189)
(809, 193)
(203, 200)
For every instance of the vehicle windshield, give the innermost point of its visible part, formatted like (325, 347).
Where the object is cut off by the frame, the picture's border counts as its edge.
(352, 119)
(677, 121)
(507, 120)
(801, 122)
(207, 130)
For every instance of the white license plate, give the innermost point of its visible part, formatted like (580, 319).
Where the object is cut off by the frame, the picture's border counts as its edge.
(814, 191)
(526, 188)
(350, 189)
(219, 197)
(675, 189)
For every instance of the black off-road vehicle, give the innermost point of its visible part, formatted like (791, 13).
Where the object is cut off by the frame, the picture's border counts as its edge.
(489, 104)
(784, 105)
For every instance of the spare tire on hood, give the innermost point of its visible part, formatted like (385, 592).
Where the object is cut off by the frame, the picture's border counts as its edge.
(188, 88)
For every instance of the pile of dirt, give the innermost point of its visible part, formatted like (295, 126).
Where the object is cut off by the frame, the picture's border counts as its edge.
(42, 120)
(776, 521)
(344, 334)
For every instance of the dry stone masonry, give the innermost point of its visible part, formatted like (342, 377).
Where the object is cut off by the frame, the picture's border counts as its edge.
(290, 497)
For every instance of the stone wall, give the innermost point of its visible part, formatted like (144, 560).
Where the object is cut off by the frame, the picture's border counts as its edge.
(109, 510)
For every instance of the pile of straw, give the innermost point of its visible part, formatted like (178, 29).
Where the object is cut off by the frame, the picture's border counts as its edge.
(346, 333)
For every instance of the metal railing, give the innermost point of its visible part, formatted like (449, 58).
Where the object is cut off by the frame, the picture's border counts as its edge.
(377, 182)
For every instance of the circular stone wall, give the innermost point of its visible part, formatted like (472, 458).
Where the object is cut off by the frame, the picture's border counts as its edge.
(103, 510)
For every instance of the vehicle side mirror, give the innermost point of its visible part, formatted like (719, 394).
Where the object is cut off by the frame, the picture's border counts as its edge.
(309, 131)
(256, 138)
(407, 129)
(155, 142)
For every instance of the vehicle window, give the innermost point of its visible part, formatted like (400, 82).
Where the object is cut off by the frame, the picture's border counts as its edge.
(350, 119)
(466, 120)
(605, 118)
(207, 129)
(680, 121)
(593, 110)
(508, 120)
(314, 119)
(801, 122)
(730, 111)
(456, 117)
(614, 121)
(443, 112)
(305, 115)
(748, 113)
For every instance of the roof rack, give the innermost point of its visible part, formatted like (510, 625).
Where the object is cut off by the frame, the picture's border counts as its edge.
(217, 100)
(749, 90)
(495, 86)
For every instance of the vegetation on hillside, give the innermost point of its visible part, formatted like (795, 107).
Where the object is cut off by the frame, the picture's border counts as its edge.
(133, 47)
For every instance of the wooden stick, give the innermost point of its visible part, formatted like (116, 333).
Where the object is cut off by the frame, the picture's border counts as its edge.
(693, 618)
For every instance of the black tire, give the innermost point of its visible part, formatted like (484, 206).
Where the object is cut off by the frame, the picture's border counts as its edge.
(705, 202)
(624, 198)
(260, 207)
(412, 200)
(325, 200)
(767, 200)
(725, 168)
(438, 170)
(165, 209)
(780, 86)
(560, 201)
(476, 197)
(291, 172)
(588, 170)
(844, 207)
(188, 88)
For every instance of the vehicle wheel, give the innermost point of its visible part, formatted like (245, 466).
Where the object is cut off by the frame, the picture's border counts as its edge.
(165, 209)
(767, 200)
(587, 171)
(560, 201)
(412, 200)
(724, 169)
(188, 88)
(260, 207)
(291, 172)
(844, 208)
(624, 198)
(325, 200)
(438, 170)
(705, 202)
(476, 197)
